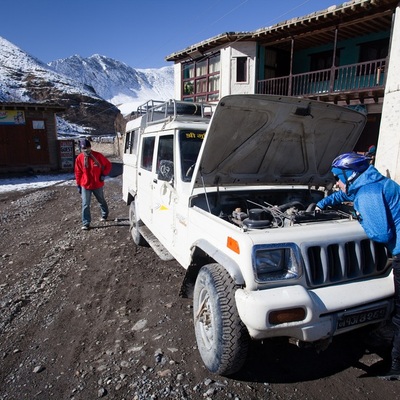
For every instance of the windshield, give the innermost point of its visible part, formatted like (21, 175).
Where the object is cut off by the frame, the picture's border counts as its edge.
(190, 142)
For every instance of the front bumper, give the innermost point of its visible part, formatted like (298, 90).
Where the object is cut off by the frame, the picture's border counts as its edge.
(324, 306)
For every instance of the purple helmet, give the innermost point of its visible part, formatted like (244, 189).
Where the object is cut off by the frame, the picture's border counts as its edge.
(352, 161)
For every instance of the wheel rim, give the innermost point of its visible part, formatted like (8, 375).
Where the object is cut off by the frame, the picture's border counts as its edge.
(205, 319)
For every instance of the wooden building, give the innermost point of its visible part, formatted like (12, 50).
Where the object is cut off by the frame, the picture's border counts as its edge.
(28, 137)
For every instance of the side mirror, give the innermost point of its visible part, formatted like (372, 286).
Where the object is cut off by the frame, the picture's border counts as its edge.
(166, 170)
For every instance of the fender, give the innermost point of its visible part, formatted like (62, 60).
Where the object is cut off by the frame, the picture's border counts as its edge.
(221, 258)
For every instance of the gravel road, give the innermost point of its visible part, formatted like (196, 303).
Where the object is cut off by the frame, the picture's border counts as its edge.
(86, 315)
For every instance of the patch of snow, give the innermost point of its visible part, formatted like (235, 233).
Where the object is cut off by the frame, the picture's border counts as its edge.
(36, 182)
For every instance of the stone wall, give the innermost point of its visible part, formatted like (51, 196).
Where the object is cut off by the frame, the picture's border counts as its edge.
(388, 149)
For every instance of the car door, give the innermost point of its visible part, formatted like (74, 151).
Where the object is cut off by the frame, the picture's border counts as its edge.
(145, 178)
(164, 192)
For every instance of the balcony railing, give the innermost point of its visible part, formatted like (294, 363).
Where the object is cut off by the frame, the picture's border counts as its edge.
(348, 78)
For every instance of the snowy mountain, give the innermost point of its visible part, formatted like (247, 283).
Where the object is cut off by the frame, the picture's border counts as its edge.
(116, 82)
(21, 74)
(95, 91)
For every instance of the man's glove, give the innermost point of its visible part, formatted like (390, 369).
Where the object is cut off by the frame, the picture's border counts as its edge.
(80, 189)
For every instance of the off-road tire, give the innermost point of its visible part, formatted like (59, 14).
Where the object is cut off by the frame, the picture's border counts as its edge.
(222, 338)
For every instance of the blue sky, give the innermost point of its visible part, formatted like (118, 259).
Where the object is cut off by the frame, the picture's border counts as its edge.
(140, 33)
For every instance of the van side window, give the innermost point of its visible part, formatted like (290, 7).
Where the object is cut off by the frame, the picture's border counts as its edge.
(165, 158)
(165, 149)
(130, 142)
(146, 160)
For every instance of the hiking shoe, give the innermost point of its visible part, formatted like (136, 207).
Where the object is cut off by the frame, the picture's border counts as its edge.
(394, 372)
(85, 227)
(391, 376)
(103, 219)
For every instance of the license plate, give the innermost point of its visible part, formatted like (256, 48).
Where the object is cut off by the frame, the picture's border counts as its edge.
(362, 317)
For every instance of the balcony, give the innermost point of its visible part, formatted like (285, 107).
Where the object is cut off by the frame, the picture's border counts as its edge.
(362, 82)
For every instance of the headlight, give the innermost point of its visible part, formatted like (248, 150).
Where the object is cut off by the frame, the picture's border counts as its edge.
(275, 262)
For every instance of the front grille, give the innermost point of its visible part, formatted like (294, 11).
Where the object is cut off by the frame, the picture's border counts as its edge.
(341, 262)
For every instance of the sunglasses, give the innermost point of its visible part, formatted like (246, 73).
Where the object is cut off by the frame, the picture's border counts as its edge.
(340, 177)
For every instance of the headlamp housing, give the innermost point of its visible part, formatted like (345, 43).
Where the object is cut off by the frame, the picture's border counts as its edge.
(276, 262)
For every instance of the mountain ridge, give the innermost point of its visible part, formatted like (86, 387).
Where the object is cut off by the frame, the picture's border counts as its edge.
(96, 91)
(117, 82)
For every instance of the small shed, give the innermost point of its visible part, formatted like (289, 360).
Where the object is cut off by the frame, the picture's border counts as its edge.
(28, 137)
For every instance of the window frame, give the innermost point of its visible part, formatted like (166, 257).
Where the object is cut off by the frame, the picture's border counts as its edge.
(242, 69)
(200, 78)
(147, 152)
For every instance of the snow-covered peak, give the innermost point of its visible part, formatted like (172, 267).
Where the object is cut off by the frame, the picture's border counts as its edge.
(116, 82)
(96, 76)
(84, 86)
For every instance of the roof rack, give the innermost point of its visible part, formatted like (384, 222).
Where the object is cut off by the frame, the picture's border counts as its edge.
(157, 111)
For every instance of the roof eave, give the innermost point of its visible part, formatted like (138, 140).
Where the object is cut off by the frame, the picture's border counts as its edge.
(199, 49)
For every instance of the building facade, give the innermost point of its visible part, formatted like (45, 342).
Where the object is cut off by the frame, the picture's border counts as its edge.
(348, 54)
(28, 137)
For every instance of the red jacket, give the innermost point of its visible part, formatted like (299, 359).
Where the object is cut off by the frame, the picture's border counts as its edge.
(89, 177)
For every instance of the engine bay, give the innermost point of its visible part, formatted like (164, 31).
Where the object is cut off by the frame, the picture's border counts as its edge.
(270, 208)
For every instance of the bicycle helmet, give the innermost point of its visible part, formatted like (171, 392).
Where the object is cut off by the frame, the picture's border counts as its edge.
(352, 161)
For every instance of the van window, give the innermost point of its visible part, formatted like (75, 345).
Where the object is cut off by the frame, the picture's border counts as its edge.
(165, 149)
(146, 161)
(131, 142)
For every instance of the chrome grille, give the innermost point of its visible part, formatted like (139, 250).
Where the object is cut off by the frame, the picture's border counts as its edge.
(341, 262)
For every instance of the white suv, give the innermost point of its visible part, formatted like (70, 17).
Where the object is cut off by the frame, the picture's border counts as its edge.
(230, 194)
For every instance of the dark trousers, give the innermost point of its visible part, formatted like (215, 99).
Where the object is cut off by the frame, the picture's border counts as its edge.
(396, 316)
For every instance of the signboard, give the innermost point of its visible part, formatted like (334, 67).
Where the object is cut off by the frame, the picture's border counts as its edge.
(67, 153)
(12, 117)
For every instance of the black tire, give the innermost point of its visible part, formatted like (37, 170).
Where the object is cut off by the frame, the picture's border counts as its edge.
(222, 338)
(134, 226)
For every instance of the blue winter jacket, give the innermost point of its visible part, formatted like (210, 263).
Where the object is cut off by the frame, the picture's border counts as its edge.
(377, 202)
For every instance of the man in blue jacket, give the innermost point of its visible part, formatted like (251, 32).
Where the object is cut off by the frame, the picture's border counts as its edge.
(376, 202)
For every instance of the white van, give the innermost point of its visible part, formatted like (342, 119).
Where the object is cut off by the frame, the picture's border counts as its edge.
(230, 194)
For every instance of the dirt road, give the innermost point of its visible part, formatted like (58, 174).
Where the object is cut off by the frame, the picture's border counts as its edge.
(87, 315)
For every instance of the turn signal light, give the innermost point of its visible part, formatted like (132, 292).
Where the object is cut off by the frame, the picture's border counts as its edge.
(233, 245)
(288, 315)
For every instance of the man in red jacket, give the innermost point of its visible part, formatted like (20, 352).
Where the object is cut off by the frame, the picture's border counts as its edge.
(90, 169)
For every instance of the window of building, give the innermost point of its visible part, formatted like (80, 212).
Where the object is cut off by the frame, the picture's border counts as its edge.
(38, 125)
(323, 60)
(370, 55)
(320, 68)
(241, 69)
(201, 79)
(375, 50)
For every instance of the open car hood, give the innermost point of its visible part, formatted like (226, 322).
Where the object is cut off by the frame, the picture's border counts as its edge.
(275, 140)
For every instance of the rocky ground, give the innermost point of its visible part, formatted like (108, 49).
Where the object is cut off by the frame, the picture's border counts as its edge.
(86, 315)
